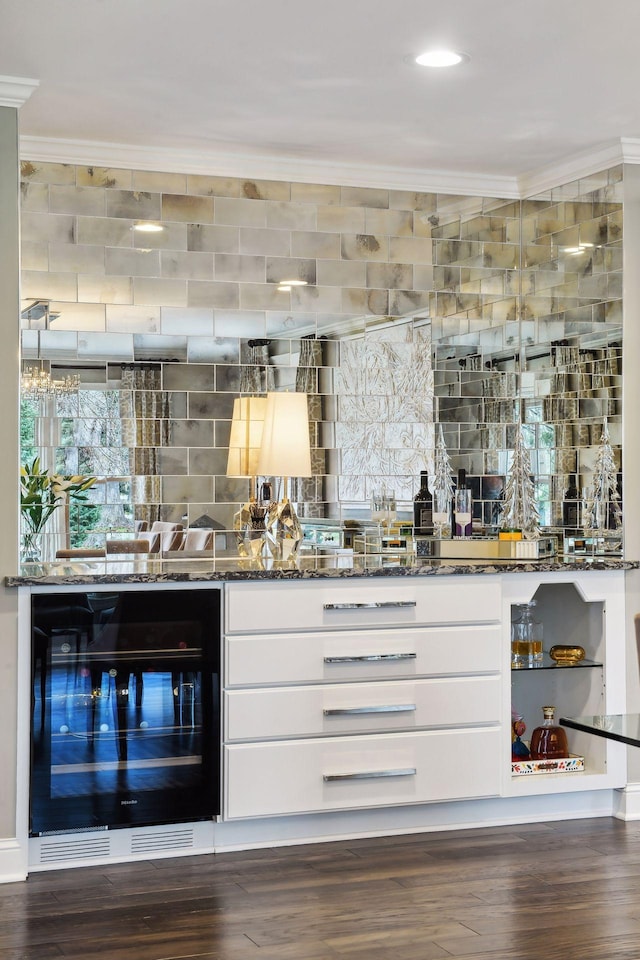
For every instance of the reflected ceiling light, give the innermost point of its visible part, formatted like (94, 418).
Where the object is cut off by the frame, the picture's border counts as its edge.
(37, 383)
(284, 286)
(440, 58)
(581, 248)
(148, 227)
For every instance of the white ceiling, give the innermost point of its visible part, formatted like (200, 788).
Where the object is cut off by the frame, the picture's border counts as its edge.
(326, 86)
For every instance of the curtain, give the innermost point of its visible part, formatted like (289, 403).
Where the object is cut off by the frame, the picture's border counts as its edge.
(145, 412)
(308, 490)
(257, 376)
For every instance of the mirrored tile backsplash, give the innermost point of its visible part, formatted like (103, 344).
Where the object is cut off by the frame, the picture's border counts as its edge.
(416, 308)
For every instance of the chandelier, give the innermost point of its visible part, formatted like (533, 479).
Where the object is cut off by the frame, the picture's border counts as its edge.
(37, 383)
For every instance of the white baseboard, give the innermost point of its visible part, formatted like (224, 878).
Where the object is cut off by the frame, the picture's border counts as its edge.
(627, 802)
(13, 860)
(192, 839)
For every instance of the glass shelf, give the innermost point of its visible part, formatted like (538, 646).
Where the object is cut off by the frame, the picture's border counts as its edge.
(549, 664)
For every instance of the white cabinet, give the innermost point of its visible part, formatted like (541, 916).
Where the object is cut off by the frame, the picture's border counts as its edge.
(304, 776)
(361, 693)
(329, 604)
(361, 654)
(352, 693)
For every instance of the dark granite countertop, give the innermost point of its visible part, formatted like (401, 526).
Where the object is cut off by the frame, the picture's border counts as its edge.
(234, 569)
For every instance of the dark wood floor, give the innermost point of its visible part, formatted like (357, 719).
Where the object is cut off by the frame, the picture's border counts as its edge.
(552, 891)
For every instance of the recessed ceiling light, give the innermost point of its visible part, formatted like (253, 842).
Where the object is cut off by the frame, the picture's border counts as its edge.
(440, 58)
(294, 283)
(148, 227)
(284, 288)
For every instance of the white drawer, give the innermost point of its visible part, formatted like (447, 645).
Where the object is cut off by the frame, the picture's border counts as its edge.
(305, 776)
(362, 655)
(253, 607)
(361, 707)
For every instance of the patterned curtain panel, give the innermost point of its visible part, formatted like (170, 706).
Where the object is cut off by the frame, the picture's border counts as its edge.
(308, 491)
(257, 375)
(145, 412)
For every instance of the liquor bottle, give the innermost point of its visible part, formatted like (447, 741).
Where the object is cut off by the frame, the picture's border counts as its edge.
(570, 504)
(423, 507)
(462, 507)
(549, 742)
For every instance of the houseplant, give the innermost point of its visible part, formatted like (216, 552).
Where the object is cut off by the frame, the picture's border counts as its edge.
(41, 494)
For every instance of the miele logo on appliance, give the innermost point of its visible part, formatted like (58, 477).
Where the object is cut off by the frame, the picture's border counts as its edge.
(127, 803)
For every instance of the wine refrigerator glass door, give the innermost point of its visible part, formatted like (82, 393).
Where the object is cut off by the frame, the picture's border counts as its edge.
(125, 709)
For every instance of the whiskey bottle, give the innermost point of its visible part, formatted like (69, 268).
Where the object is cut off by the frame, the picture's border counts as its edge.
(549, 742)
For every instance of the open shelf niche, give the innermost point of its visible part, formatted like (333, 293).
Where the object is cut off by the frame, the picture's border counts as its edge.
(567, 618)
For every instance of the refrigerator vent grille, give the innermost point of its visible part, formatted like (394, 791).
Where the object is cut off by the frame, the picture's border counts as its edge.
(162, 840)
(52, 851)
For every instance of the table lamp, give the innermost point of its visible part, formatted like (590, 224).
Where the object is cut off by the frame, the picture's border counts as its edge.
(285, 452)
(247, 423)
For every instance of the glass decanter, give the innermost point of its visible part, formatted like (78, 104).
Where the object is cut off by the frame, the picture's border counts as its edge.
(549, 741)
(526, 638)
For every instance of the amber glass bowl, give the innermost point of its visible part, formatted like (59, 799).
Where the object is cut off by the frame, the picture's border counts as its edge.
(565, 655)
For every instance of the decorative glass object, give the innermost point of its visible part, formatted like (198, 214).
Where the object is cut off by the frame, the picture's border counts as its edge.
(519, 510)
(249, 525)
(383, 508)
(442, 489)
(549, 741)
(602, 501)
(31, 546)
(566, 655)
(526, 638)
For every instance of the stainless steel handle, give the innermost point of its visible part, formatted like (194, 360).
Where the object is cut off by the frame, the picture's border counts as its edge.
(383, 708)
(370, 774)
(371, 657)
(373, 605)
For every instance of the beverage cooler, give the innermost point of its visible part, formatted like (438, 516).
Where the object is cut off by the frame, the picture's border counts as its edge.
(125, 709)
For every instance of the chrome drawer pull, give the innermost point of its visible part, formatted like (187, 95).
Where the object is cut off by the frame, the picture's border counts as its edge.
(373, 605)
(371, 657)
(370, 775)
(383, 708)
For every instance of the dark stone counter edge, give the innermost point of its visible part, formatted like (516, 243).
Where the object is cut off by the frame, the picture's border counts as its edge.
(422, 569)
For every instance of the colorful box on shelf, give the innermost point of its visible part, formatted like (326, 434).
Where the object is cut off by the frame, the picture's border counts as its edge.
(571, 764)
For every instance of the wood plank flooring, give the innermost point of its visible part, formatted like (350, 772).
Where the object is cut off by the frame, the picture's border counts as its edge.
(550, 891)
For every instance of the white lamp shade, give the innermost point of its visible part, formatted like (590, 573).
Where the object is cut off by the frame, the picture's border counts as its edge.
(286, 449)
(246, 436)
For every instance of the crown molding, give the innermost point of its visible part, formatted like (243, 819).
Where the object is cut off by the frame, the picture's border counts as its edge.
(191, 161)
(579, 165)
(14, 91)
(630, 149)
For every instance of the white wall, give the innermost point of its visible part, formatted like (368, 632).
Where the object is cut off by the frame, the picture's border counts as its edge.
(9, 406)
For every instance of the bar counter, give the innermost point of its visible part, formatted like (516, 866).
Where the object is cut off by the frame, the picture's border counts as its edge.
(304, 568)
